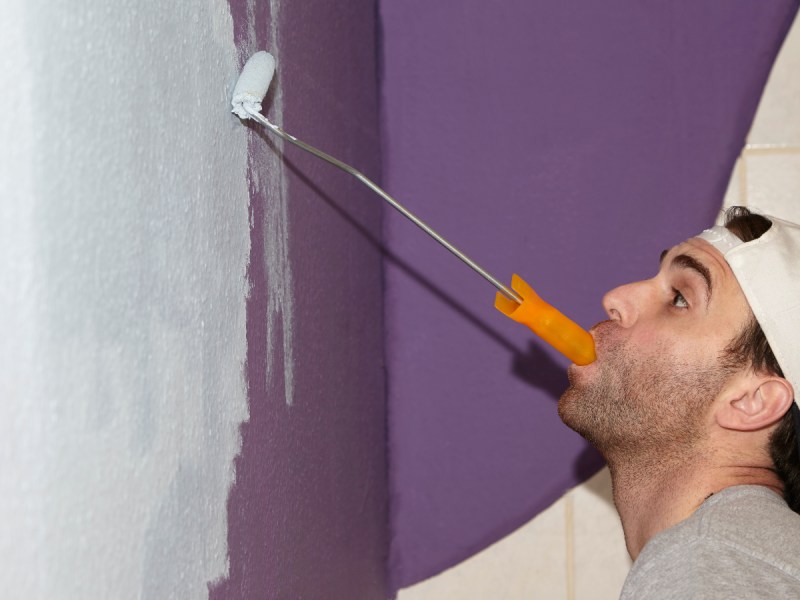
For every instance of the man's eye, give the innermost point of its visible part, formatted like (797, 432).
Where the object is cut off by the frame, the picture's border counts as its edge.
(678, 300)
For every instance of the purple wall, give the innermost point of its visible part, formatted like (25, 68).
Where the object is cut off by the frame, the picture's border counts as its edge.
(307, 516)
(569, 142)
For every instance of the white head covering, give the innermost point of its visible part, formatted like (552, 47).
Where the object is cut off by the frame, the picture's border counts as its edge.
(768, 271)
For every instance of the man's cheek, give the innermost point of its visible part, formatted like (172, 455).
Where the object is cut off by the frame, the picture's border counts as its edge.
(643, 340)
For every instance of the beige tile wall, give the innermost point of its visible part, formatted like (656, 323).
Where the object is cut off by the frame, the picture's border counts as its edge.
(575, 549)
(510, 568)
(767, 174)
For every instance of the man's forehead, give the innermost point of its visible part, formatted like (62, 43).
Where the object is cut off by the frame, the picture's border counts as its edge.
(701, 251)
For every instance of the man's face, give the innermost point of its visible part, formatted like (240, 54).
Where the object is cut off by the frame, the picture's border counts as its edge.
(660, 356)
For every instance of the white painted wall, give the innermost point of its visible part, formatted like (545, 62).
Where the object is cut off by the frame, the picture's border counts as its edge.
(124, 240)
(575, 550)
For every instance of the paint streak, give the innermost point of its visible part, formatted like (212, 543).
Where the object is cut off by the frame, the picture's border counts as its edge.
(307, 516)
(280, 305)
(268, 179)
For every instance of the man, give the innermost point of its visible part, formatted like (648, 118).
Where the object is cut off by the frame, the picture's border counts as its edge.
(691, 402)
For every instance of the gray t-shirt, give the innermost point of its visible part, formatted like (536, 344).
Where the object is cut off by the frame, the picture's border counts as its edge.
(743, 542)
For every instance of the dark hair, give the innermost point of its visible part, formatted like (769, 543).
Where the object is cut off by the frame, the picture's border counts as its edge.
(751, 347)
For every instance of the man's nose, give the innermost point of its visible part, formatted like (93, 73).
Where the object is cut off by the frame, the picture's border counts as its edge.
(623, 304)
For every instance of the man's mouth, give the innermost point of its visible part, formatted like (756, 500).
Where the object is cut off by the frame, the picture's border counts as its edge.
(598, 332)
(597, 336)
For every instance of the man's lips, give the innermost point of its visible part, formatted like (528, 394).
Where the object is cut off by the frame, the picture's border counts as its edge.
(598, 347)
(599, 331)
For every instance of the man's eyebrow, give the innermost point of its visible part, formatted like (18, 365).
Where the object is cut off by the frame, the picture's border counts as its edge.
(684, 261)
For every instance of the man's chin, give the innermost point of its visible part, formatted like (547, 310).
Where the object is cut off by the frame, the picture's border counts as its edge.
(574, 412)
(568, 404)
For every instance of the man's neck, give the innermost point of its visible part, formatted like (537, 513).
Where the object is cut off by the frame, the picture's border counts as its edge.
(652, 496)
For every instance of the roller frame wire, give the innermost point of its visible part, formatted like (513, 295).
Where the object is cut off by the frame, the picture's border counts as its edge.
(257, 116)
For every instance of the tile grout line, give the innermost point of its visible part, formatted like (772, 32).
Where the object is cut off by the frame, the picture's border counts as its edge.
(569, 522)
(762, 149)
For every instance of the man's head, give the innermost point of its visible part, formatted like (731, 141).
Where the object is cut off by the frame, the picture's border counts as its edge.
(681, 358)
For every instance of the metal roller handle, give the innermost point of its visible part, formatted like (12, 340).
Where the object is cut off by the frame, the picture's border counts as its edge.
(507, 292)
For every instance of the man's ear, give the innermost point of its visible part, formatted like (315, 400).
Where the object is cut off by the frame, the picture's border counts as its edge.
(754, 403)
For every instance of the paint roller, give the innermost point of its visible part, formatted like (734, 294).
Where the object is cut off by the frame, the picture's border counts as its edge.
(519, 303)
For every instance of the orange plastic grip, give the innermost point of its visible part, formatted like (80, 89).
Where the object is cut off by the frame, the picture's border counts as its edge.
(548, 323)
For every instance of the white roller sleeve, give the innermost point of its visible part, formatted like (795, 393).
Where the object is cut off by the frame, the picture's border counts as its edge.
(253, 83)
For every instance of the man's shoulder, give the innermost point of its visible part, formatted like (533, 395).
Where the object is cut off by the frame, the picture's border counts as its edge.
(744, 540)
(752, 519)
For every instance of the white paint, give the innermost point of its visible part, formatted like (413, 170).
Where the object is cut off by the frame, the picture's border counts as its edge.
(21, 532)
(270, 180)
(124, 240)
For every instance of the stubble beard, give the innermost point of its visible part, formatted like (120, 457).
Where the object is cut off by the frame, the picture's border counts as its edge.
(644, 407)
